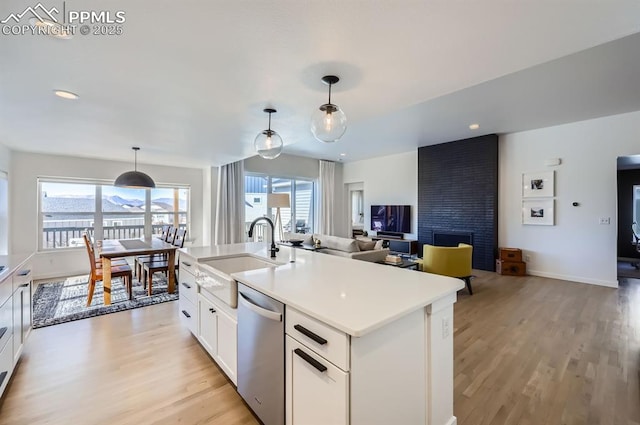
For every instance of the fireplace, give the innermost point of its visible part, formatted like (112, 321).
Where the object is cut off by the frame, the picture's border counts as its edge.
(446, 238)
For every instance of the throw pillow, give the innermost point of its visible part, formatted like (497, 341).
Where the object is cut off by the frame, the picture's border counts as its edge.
(378, 244)
(366, 245)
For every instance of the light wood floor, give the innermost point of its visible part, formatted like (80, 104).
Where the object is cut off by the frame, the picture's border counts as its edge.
(534, 351)
(528, 351)
(134, 367)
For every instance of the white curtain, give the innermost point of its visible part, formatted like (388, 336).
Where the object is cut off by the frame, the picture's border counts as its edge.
(230, 226)
(326, 189)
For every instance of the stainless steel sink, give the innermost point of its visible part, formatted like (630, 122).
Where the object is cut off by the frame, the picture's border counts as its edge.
(215, 275)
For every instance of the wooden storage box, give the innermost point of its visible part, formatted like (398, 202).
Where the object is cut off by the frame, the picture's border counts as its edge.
(511, 254)
(511, 268)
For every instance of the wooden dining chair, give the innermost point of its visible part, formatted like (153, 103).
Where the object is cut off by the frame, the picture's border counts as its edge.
(92, 251)
(149, 268)
(168, 236)
(121, 270)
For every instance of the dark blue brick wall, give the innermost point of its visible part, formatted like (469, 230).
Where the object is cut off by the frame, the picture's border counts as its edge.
(458, 192)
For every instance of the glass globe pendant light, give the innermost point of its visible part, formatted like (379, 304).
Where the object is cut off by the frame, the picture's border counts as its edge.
(329, 123)
(268, 143)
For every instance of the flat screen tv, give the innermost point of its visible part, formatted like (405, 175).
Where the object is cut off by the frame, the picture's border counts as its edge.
(391, 218)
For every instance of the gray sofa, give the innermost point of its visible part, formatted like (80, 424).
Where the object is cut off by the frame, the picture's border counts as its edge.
(344, 247)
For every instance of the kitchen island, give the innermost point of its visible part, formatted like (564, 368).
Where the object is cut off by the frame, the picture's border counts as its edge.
(15, 311)
(365, 343)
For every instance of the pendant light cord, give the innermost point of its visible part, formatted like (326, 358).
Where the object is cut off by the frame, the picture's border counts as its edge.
(330, 93)
(269, 122)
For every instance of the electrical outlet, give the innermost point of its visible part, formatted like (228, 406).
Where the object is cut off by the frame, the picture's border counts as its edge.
(527, 258)
(605, 220)
(446, 327)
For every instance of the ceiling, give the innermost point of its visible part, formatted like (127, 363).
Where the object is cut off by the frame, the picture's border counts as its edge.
(188, 83)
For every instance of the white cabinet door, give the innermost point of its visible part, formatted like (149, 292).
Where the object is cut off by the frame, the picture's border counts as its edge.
(227, 344)
(208, 326)
(188, 312)
(316, 391)
(21, 318)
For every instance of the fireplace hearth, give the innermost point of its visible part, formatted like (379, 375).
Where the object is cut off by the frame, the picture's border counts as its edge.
(451, 238)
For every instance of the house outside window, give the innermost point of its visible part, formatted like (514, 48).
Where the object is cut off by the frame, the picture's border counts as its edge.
(69, 208)
(299, 218)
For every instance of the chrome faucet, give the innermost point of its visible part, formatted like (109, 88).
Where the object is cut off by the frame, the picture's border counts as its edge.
(273, 248)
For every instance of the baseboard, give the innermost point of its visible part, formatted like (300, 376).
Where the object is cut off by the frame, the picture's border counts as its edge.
(56, 275)
(452, 421)
(579, 279)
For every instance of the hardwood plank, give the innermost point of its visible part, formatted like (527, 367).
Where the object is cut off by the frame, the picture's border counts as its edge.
(133, 367)
(528, 350)
(543, 351)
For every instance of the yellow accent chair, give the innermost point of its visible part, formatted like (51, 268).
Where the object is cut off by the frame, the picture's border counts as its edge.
(454, 261)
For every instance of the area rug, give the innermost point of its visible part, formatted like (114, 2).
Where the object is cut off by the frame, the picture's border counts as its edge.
(65, 300)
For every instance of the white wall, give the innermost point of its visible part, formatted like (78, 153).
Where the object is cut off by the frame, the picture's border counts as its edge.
(577, 248)
(5, 158)
(298, 166)
(284, 166)
(391, 180)
(25, 168)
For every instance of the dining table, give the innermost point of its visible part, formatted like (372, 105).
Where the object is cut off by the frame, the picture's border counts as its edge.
(109, 249)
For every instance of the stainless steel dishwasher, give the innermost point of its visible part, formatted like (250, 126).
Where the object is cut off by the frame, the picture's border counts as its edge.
(261, 354)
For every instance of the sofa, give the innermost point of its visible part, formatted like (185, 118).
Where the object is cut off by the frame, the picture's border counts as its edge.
(358, 249)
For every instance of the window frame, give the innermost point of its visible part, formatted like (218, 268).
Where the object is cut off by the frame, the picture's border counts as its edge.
(99, 215)
(294, 180)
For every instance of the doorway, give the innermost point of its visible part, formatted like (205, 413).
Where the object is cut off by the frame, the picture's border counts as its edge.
(356, 216)
(628, 250)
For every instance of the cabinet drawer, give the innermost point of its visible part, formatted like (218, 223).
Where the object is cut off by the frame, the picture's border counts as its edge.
(326, 341)
(6, 367)
(6, 289)
(317, 392)
(6, 323)
(187, 263)
(188, 286)
(188, 314)
(21, 278)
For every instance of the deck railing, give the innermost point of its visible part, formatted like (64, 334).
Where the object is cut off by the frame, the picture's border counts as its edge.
(70, 237)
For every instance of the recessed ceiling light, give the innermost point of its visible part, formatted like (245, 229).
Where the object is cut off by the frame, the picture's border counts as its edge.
(51, 28)
(474, 126)
(66, 94)
(343, 154)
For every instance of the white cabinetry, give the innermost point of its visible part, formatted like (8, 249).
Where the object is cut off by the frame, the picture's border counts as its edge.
(208, 326)
(21, 310)
(217, 332)
(228, 344)
(15, 317)
(6, 334)
(188, 298)
(317, 392)
(317, 372)
(209, 319)
(332, 378)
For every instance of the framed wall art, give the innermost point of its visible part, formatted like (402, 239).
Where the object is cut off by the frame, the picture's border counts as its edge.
(538, 185)
(538, 212)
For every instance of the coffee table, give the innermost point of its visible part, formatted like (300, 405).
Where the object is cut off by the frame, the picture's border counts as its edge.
(405, 264)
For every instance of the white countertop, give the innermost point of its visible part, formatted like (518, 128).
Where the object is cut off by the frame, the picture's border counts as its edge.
(353, 296)
(12, 263)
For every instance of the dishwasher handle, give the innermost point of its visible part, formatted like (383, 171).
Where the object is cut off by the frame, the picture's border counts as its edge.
(271, 315)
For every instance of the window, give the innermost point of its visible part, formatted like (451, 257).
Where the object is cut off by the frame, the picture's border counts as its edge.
(298, 219)
(67, 209)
